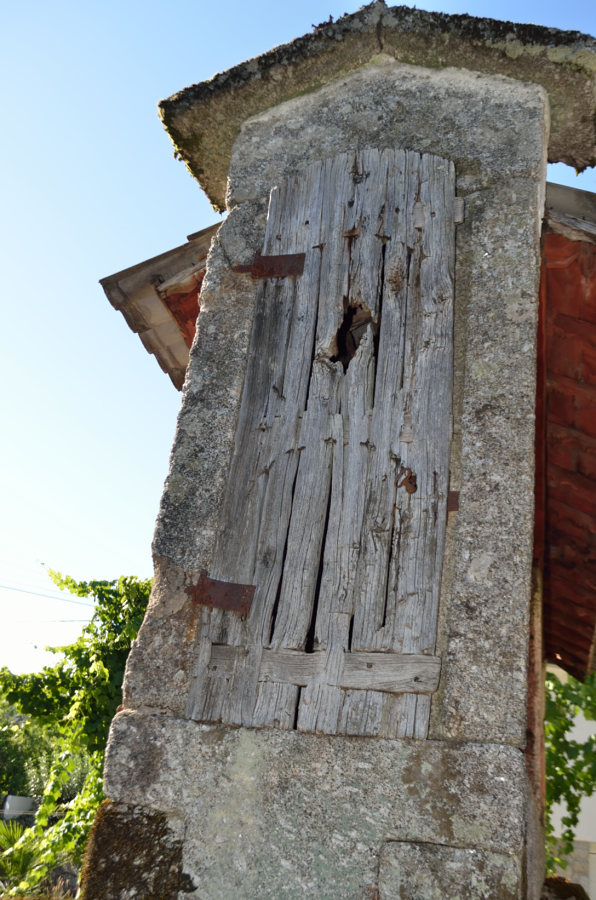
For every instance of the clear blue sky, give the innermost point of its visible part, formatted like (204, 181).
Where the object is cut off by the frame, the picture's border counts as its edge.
(89, 186)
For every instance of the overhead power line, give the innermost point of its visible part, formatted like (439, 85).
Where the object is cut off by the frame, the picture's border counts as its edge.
(47, 596)
(45, 621)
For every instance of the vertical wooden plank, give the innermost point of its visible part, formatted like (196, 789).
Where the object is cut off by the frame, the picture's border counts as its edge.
(259, 496)
(241, 696)
(422, 716)
(319, 708)
(334, 275)
(425, 393)
(407, 716)
(321, 702)
(276, 705)
(371, 577)
(390, 716)
(413, 594)
(361, 713)
(342, 547)
(310, 506)
(367, 219)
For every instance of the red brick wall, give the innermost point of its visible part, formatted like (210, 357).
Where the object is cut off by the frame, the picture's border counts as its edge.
(566, 425)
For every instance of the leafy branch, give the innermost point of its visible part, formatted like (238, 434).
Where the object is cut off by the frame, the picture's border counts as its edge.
(84, 688)
(570, 764)
(77, 698)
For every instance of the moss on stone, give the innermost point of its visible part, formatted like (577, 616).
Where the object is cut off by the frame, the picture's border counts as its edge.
(205, 119)
(132, 851)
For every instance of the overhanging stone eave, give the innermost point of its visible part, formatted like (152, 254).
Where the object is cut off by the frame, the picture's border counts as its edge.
(205, 119)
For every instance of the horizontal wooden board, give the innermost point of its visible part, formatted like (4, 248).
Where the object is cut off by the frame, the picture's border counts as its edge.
(392, 673)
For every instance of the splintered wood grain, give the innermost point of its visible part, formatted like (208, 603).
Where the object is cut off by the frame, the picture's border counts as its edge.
(417, 553)
(352, 230)
(334, 249)
(321, 701)
(341, 560)
(398, 581)
(350, 470)
(276, 705)
(383, 443)
(366, 216)
(309, 512)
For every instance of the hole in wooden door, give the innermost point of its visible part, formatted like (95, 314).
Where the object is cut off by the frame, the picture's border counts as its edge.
(351, 331)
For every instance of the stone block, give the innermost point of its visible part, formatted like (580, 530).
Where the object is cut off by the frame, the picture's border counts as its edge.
(426, 872)
(280, 814)
(133, 852)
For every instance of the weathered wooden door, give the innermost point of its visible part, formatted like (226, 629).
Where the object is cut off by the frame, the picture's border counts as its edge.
(348, 390)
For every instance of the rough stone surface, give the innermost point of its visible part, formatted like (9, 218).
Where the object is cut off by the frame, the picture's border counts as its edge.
(133, 852)
(427, 872)
(158, 672)
(495, 130)
(281, 814)
(492, 128)
(211, 396)
(160, 663)
(204, 120)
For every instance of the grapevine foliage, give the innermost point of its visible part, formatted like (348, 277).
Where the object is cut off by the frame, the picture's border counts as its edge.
(570, 764)
(76, 699)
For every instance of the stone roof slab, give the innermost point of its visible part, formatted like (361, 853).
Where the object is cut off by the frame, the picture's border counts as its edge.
(205, 119)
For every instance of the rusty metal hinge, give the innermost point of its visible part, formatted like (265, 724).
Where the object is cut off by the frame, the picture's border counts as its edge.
(292, 264)
(221, 594)
(452, 501)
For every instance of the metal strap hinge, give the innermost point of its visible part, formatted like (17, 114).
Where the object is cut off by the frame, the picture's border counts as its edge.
(292, 264)
(221, 594)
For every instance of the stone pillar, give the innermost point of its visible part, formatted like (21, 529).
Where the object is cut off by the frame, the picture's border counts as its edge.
(213, 810)
(238, 812)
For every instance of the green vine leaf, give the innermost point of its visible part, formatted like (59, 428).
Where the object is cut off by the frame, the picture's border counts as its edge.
(77, 699)
(570, 764)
